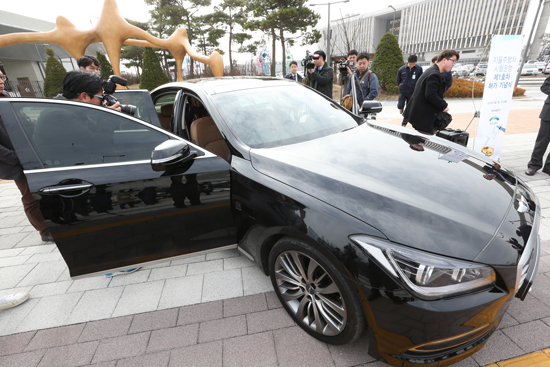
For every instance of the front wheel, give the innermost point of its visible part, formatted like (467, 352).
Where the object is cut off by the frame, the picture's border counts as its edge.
(315, 293)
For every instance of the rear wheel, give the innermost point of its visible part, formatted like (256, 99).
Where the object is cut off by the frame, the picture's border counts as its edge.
(315, 293)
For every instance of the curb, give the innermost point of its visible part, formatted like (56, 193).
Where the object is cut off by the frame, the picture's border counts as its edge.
(540, 358)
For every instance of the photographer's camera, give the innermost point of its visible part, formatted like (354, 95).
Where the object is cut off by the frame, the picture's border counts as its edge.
(110, 87)
(307, 61)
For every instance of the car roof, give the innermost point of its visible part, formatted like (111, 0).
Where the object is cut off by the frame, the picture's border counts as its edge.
(228, 83)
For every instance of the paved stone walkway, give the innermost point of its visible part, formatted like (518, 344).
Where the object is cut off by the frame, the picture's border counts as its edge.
(209, 310)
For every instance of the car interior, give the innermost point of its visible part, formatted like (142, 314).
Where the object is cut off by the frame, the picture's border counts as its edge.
(165, 116)
(198, 127)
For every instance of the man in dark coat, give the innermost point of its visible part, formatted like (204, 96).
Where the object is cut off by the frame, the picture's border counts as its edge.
(294, 72)
(322, 76)
(446, 75)
(427, 100)
(11, 169)
(543, 137)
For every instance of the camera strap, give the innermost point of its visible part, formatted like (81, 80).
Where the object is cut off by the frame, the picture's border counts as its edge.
(361, 81)
(368, 79)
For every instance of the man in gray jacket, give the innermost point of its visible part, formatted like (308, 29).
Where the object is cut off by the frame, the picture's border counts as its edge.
(543, 137)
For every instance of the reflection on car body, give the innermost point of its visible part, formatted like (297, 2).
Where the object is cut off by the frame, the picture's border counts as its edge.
(359, 224)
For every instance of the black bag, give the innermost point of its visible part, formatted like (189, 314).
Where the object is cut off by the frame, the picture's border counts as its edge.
(442, 120)
(455, 135)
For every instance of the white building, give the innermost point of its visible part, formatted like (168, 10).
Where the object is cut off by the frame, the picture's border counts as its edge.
(24, 64)
(426, 27)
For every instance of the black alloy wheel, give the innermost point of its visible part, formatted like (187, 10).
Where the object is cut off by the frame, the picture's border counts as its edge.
(315, 293)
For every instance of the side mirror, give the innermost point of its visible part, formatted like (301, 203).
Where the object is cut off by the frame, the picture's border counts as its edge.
(370, 107)
(169, 154)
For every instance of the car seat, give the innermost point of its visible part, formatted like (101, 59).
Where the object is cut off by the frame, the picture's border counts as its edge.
(165, 116)
(206, 134)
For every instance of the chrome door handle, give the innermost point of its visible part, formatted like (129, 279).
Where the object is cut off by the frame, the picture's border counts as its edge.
(62, 188)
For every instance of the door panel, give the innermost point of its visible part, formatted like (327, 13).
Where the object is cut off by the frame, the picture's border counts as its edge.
(105, 216)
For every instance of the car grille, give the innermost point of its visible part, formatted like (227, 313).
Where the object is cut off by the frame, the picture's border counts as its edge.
(528, 263)
(425, 357)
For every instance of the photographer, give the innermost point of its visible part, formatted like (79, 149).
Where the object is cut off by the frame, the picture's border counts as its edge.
(366, 81)
(322, 76)
(352, 61)
(89, 63)
(83, 86)
(346, 68)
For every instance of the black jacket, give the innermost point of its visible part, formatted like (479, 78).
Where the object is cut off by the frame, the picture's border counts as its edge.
(426, 101)
(291, 77)
(322, 80)
(545, 112)
(10, 168)
(405, 79)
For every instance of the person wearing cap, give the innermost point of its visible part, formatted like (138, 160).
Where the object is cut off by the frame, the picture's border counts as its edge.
(322, 76)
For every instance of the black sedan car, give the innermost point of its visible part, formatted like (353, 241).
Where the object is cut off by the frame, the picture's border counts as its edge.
(360, 225)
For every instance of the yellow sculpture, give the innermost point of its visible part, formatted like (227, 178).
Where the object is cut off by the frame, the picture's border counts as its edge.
(114, 31)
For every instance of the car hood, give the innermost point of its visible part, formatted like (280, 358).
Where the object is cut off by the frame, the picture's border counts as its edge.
(445, 199)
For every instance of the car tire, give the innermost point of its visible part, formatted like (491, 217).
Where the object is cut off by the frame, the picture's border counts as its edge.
(301, 273)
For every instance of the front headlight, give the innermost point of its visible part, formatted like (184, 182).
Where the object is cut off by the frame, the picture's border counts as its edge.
(425, 275)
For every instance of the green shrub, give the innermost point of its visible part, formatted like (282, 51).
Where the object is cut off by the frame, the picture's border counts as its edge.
(53, 82)
(387, 61)
(105, 68)
(152, 75)
(462, 88)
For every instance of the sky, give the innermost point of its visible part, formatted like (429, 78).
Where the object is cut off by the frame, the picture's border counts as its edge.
(85, 14)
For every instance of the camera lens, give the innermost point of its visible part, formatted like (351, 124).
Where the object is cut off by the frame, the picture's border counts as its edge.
(128, 109)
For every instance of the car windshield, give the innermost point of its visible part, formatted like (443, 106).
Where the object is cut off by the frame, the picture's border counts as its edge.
(275, 116)
(530, 66)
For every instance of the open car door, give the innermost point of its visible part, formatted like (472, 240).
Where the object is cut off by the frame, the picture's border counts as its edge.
(91, 172)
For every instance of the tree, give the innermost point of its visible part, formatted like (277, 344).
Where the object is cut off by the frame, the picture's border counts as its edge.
(387, 61)
(152, 75)
(294, 20)
(209, 35)
(284, 21)
(53, 82)
(106, 70)
(134, 53)
(265, 21)
(229, 14)
(168, 15)
(350, 34)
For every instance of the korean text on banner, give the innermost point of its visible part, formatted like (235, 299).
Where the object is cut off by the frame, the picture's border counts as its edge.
(501, 74)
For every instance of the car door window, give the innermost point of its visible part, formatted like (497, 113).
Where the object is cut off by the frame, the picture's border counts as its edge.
(70, 134)
(164, 106)
(136, 99)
